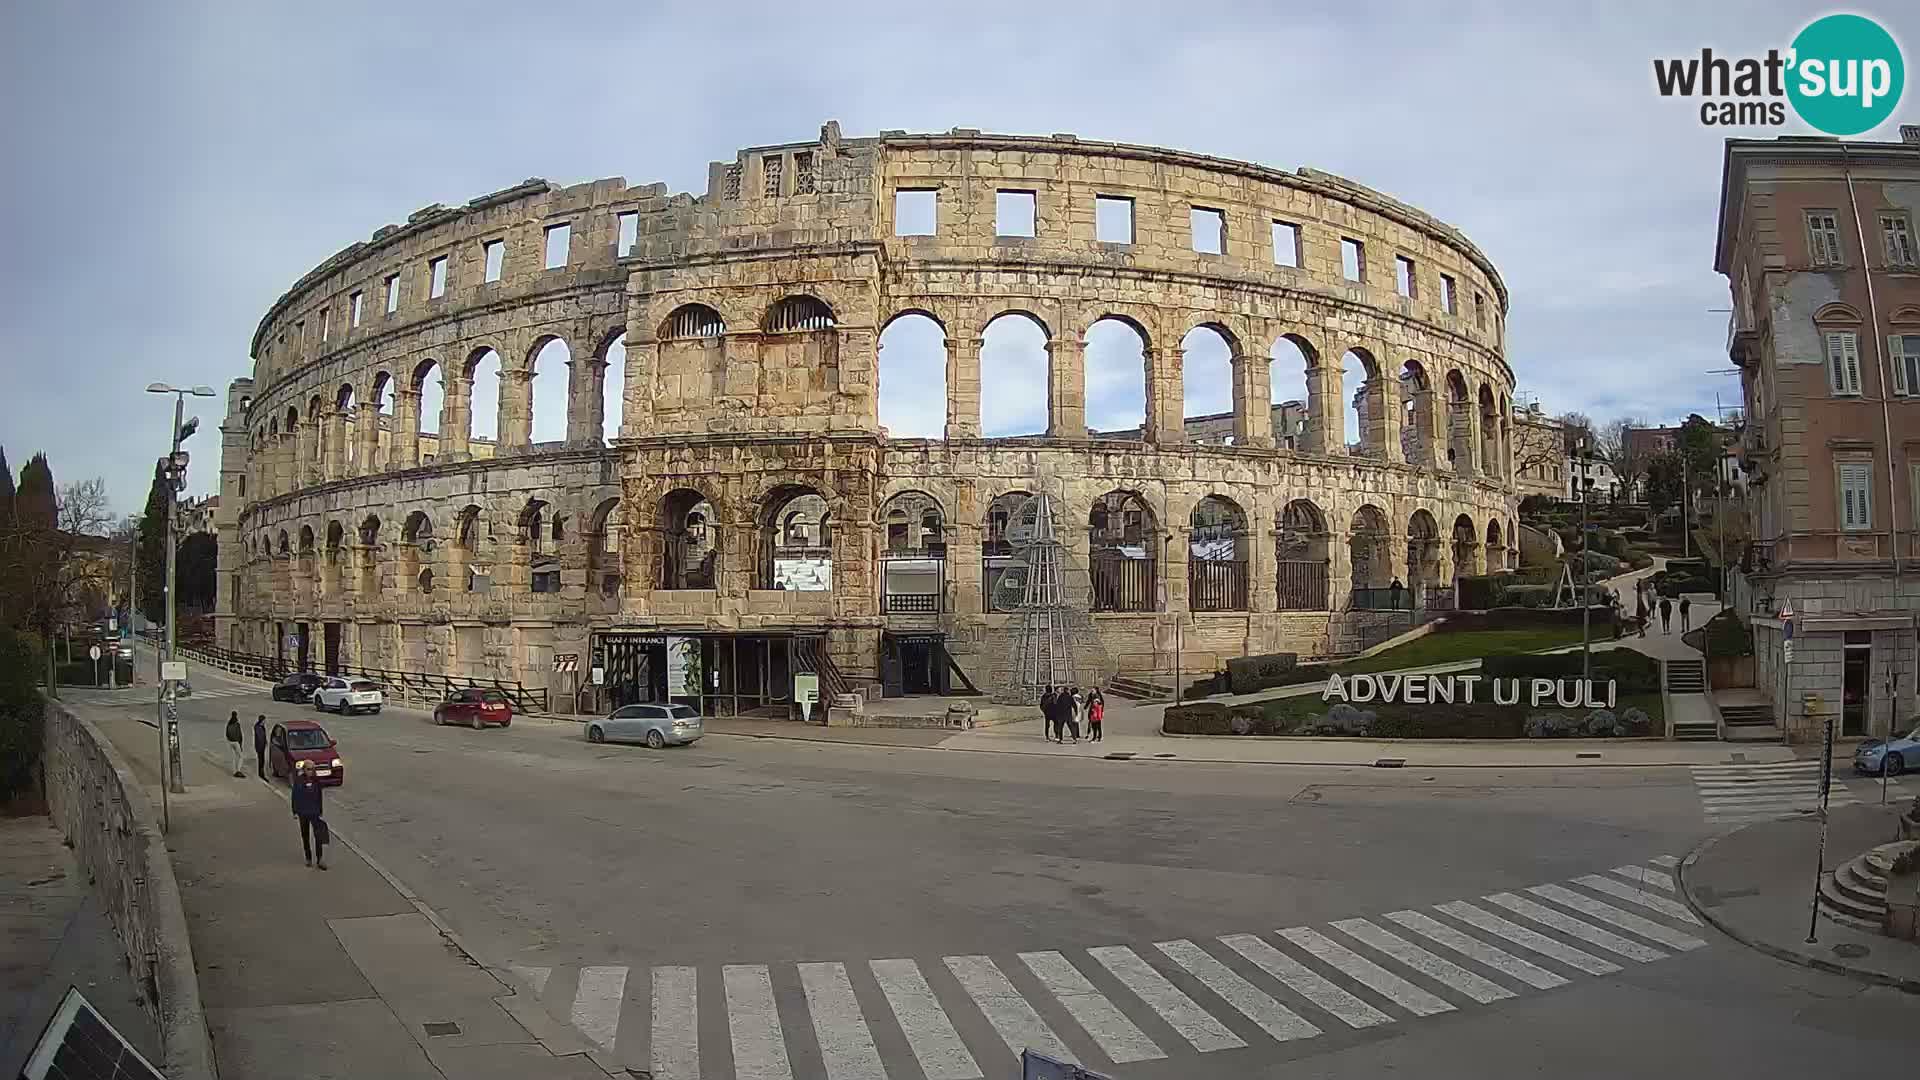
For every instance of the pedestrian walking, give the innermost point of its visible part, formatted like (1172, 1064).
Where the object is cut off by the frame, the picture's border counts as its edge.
(1096, 712)
(1076, 705)
(233, 741)
(1641, 613)
(260, 745)
(306, 806)
(1686, 614)
(1050, 711)
(1666, 615)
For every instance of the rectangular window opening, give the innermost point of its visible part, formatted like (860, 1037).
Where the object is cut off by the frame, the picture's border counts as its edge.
(559, 239)
(1480, 310)
(1447, 301)
(1286, 244)
(1843, 363)
(1013, 213)
(495, 254)
(1906, 364)
(1113, 219)
(1823, 238)
(1898, 234)
(393, 293)
(629, 233)
(355, 301)
(916, 211)
(437, 278)
(326, 323)
(770, 171)
(1209, 228)
(1856, 495)
(1353, 259)
(1405, 281)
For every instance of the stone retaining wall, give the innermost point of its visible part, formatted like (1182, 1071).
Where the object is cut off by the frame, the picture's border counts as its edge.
(99, 806)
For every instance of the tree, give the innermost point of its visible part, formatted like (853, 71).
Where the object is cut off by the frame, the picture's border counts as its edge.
(1618, 449)
(1699, 445)
(195, 569)
(1663, 481)
(54, 565)
(153, 548)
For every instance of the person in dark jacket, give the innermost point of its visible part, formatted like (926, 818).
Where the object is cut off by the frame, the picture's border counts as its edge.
(260, 744)
(306, 807)
(1666, 615)
(233, 741)
(1048, 712)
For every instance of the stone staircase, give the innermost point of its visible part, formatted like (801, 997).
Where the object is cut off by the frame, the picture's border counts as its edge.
(1157, 686)
(1856, 894)
(1749, 723)
(1686, 676)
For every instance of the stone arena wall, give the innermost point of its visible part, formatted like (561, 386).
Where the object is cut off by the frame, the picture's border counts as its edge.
(740, 333)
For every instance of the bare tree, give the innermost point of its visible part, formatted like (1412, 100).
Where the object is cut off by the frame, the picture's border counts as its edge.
(54, 568)
(1538, 448)
(1627, 461)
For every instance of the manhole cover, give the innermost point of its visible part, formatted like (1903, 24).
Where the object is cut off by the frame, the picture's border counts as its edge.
(1588, 754)
(437, 1028)
(1850, 951)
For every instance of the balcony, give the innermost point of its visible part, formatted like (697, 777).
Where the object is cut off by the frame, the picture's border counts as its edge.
(1757, 558)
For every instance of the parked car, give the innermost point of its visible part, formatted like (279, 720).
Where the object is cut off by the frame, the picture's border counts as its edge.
(475, 708)
(1894, 755)
(298, 741)
(349, 696)
(298, 687)
(655, 725)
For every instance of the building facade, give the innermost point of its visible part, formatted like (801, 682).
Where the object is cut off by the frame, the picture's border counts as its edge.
(1816, 241)
(1539, 453)
(748, 513)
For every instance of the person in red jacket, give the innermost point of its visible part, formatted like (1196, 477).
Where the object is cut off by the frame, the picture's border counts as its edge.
(1096, 712)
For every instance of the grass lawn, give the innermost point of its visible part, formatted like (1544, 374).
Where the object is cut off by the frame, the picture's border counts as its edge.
(1444, 648)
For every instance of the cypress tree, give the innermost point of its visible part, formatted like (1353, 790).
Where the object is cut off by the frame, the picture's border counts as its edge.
(153, 548)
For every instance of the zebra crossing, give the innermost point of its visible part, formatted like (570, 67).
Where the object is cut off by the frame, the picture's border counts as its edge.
(144, 695)
(1106, 1007)
(1741, 794)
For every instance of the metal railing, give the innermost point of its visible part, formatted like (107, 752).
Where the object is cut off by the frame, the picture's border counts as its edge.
(1123, 584)
(1757, 558)
(1376, 599)
(414, 686)
(913, 603)
(1302, 585)
(1216, 585)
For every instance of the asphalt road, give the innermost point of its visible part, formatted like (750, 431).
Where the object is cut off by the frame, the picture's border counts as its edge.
(702, 897)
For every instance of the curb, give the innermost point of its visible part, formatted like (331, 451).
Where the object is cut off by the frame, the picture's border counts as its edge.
(1780, 952)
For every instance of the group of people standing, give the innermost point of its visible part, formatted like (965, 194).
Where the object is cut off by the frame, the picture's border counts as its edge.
(1064, 707)
(307, 803)
(1665, 608)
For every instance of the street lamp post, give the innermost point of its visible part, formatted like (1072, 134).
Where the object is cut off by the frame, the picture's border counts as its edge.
(1586, 602)
(175, 473)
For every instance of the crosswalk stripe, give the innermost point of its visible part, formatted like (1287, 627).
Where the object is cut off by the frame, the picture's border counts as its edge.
(1253, 1003)
(1646, 877)
(1566, 924)
(1119, 1038)
(1194, 1024)
(596, 1004)
(676, 1023)
(1665, 860)
(534, 977)
(1020, 1027)
(1305, 981)
(1671, 909)
(1367, 973)
(1625, 920)
(1498, 959)
(759, 1046)
(1439, 969)
(846, 1044)
(1480, 918)
(929, 1033)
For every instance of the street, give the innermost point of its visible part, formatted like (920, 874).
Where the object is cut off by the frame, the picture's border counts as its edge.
(698, 911)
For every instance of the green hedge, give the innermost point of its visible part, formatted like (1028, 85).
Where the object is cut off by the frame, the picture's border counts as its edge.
(1635, 672)
(1245, 674)
(21, 713)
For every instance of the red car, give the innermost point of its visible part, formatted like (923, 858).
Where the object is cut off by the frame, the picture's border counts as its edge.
(302, 741)
(475, 708)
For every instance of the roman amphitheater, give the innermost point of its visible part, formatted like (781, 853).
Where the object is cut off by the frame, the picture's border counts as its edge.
(724, 478)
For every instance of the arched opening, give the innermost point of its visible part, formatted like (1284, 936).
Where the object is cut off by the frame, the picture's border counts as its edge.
(291, 430)
(369, 535)
(309, 578)
(798, 314)
(1003, 570)
(613, 388)
(380, 400)
(1013, 376)
(691, 372)
(1206, 385)
(690, 541)
(425, 581)
(1496, 547)
(693, 322)
(1292, 396)
(1506, 440)
(430, 385)
(1364, 407)
(474, 575)
(345, 413)
(1217, 554)
(913, 377)
(1423, 552)
(1490, 455)
(1466, 548)
(483, 402)
(606, 529)
(1372, 563)
(317, 452)
(796, 532)
(284, 547)
(547, 390)
(330, 569)
(1123, 546)
(1459, 426)
(913, 573)
(1301, 541)
(541, 555)
(416, 544)
(1416, 414)
(1116, 379)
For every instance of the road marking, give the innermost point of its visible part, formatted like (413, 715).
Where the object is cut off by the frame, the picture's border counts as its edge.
(1646, 877)
(1498, 959)
(676, 1023)
(1665, 860)
(534, 977)
(929, 1033)
(1119, 1038)
(1194, 1024)
(1593, 935)
(1020, 1027)
(1484, 991)
(1304, 981)
(596, 1005)
(1671, 909)
(1274, 1018)
(1367, 973)
(846, 1044)
(759, 1047)
(1625, 920)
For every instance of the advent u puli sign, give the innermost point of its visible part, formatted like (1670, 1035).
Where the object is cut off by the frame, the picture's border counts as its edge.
(1448, 689)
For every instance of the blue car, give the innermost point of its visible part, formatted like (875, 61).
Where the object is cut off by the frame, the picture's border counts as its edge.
(1893, 755)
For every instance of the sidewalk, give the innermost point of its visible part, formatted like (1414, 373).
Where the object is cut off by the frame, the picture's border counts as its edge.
(1756, 886)
(320, 974)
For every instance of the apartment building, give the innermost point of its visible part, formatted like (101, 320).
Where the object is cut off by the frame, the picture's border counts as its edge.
(1816, 240)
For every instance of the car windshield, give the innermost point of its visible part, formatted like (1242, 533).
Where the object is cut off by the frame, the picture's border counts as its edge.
(363, 685)
(306, 739)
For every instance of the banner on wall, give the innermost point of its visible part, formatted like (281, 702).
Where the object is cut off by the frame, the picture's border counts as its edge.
(683, 667)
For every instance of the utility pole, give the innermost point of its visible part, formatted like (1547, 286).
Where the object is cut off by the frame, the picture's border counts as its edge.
(1686, 529)
(1586, 602)
(174, 471)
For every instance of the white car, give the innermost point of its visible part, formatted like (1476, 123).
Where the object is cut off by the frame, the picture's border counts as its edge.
(348, 696)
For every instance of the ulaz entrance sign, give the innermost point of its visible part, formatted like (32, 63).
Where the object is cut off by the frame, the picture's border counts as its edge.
(1448, 689)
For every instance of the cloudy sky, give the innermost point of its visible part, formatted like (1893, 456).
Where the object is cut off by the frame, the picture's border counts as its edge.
(173, 167)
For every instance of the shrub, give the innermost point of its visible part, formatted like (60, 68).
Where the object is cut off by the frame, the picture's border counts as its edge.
(1200, 718)
(1480, 592)
(1728, 636)
(1636, 673)
(1527, 596)
(21, 713)
(1245, 674)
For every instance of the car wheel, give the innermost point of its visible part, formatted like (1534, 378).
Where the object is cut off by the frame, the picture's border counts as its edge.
(595, 735)
(1895, 765)
(478, 722)
(655, 740)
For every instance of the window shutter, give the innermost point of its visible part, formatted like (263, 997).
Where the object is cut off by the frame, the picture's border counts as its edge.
(1833, 241)
(1851, 342)
(1897, 351)
(1856, 495)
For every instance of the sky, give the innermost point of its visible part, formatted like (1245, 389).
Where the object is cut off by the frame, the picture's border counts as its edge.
(173, 168)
